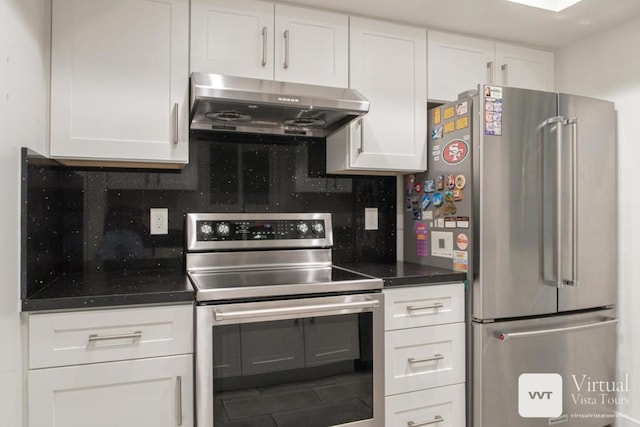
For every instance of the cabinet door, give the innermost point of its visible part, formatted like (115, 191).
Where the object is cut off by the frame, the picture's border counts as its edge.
(154, 392)
(331, 339)
(311, 46)
(457, 64)
(232, 37)
(389, 67)
(438, 407)
(524, 68)
(120, 80)
(272, 346)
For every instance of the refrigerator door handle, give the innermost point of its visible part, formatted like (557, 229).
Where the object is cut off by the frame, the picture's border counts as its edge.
(573, 281)
(504, 335)
(556, 280)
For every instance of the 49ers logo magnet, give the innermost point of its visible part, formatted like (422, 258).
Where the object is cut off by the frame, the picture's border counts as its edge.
(455, 152)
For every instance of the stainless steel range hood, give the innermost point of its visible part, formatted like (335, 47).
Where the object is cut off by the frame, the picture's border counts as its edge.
(237, 104)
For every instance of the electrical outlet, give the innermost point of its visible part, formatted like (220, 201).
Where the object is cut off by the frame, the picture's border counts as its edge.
(159, 221)
(370, 218)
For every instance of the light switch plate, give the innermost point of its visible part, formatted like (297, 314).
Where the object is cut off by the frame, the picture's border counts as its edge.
(159, 221)
(370, 218)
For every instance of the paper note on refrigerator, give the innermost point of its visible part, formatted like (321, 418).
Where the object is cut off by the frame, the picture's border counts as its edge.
(442, 244)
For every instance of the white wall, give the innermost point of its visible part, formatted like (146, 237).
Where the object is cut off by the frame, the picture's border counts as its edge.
(608, 66)
(24, 70)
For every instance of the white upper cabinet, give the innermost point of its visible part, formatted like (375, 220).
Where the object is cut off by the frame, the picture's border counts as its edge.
(232, 37)
(458, 64)
(311, 46)
(120, 80)
(248, 38)
(388, 66)
(524, 68)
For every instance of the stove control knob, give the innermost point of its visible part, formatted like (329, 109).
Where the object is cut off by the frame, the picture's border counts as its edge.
(303, 228)
(206, 229)
(317, 227)
(222, 229)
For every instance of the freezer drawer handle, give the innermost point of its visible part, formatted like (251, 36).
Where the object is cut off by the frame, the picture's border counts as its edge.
(435, 420)
(435, 306)
(504, 336)
(435, 357)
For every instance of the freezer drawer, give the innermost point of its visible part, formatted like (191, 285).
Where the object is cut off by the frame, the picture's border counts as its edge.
(578, 347)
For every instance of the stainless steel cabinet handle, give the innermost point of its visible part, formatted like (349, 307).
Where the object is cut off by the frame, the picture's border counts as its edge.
(505, 74)
(490, 72)
(504, 336)
(425, 307)
(179, 399)
(574, 202)
(264, 46)
(435, 420)
(435, 357)
(286, 49)
(226, 315)
(134, 336)
(361, 147)
(176, 123)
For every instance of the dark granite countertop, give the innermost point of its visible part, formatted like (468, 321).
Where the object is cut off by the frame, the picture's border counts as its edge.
(406, 273)
(101, 289)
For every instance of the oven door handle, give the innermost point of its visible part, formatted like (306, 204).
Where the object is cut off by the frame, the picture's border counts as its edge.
(305, 309)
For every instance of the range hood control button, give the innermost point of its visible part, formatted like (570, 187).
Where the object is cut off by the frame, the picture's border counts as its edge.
(222, 229)
(317, 227)
(303, 228)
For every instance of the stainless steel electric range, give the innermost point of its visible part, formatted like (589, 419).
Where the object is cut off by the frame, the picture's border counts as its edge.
(283, 337)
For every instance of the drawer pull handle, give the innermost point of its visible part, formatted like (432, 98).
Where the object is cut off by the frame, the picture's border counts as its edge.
(435, 420)
(435, 357)
(134, 336)
(435, 306)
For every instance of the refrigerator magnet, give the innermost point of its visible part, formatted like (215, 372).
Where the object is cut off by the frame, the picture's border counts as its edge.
(422, 248)
(448, 196)
(461, 261)
(462, 241)
(436, 133)
(461, 181)
(449, 112)
(457, 195)
(436, 213)
(426, 201)
(438, 200)
(426, 215)
(462, 108)
(437, 117)
(451, 182)
(440, 182)
(417, 187)
(429, 186)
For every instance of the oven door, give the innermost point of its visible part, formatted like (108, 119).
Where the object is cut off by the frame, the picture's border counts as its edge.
(295, 362)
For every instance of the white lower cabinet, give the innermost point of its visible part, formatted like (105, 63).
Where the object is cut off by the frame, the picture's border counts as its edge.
(425, 356)
(125, 367)
(440, 407)
(155, 392)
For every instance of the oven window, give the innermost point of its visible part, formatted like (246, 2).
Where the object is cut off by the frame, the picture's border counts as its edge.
(308, 372)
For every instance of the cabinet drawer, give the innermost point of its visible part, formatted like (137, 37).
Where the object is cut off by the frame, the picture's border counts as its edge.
(72, 338)
(446, 405)
(422, 358)
(423, 306)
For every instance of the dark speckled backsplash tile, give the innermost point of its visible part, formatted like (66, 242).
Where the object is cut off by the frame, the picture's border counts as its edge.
(81, 219)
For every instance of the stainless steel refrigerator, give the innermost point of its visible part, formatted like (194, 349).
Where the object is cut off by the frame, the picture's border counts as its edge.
(520, 193)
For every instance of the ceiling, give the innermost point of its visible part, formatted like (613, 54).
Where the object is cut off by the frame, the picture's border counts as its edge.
(495, 19)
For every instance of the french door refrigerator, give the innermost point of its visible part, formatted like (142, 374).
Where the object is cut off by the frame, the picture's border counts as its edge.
(520, 193)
